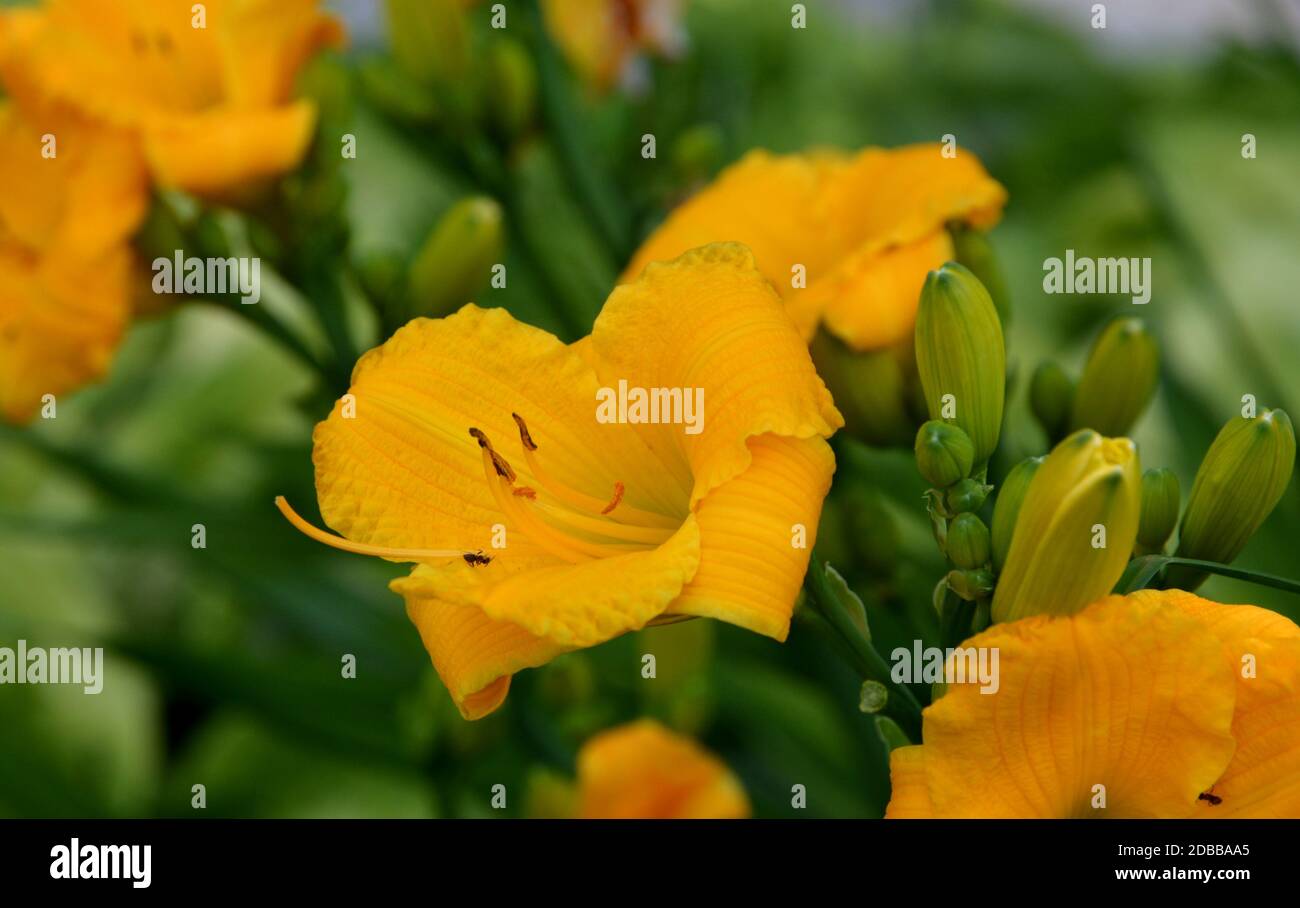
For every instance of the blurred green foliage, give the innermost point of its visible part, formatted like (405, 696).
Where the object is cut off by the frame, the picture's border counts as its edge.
(223, 663)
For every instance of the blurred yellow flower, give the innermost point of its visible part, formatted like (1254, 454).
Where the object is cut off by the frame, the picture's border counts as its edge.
(73, 194)
(476, 439)
(1156, 704)
(847, 239)
(603, 39)
(644, 771)
(206, 86)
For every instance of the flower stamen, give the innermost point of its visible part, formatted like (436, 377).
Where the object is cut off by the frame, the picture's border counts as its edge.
(361, 548)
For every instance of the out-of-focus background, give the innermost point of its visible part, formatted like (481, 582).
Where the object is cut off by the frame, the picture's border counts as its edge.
(223, 663)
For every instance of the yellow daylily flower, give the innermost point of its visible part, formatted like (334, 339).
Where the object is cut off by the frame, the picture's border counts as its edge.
(603, 39)
(864, 228)
(208, 92)
(73, 195)
(644, 771)
(476, 429)
(1161, 703)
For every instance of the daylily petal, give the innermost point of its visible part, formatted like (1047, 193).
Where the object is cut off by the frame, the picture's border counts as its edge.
(86, 199)
(870, 301)
(764, 201)
(644, 771)
(207, 152)
(1263, 649)
(750, 570)
(1126, 694)
(60, 322)
(709, 320)
(264, 45)
(474, 655)
(910, 797)
(913, 191)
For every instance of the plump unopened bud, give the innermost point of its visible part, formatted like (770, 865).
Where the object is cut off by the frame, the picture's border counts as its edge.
(1007, 507)
(430, 39)
(961, 357)
(456, 260)
(971, 585)
(1160, 502)
(944, 453)
(512, 86)
(1075, 531)
(1051, 395)
(966, 495)
(1239, 482)
(1119, 379)
(968, 542)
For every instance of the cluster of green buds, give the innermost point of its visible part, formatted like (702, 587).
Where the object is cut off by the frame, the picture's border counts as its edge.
(961, 361)
(1118, 382)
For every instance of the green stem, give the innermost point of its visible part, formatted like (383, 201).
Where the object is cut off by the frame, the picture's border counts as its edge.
(900, 706)
(1141, 571)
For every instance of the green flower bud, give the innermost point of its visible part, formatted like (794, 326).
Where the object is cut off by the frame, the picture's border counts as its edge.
(1160, 501)
(430, 39)
(873, 697)
(961, 357)
(1119, 379)
(395, 92)
(457, 258)
(870, 390)
(967, 495)
(1007, 506)
(512, 86)
(974, 250)
(1051, 395)
(968, 542)
(1075, 531)
(971, 585)
(698, 151)
(1239, 482)
(944, 453)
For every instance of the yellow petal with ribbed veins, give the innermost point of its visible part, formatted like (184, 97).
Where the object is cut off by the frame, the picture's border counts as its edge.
(644, 771)
(709, 321)
(763, 201)
(910, 796)
(870, 301)
(1263, 650)
(755, 535)
(474, 655)
(214, 150)
(1129, 695)
(886, 197)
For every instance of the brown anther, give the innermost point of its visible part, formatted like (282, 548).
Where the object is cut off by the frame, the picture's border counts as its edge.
(618, 496)
(1214, 799)
(524, 437)
(502, 466)
(476, 559)
(526, 492)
